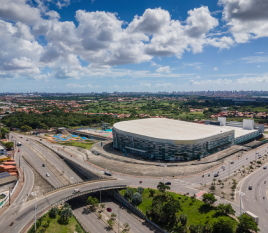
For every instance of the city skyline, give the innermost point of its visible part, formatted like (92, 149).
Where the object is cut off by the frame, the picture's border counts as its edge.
(134, 46)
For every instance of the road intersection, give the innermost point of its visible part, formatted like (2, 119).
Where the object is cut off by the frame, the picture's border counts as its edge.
(252, 201)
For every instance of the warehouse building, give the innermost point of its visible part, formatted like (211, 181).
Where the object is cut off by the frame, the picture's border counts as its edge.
(168, 139)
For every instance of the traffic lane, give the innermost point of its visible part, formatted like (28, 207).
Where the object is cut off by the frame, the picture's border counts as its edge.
(245, 160)
(125, 215)
(252, 200)
(88, 219)
(38, 165)
(61, 166)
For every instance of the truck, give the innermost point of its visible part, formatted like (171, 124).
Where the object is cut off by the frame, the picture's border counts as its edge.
(19, 144)
(107, 173)
(255, 217)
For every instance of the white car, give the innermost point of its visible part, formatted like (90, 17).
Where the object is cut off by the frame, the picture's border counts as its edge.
(47, 175)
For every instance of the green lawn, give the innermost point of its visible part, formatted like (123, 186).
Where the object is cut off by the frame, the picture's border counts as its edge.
(197, 212)
(78, 144)
(55, 227)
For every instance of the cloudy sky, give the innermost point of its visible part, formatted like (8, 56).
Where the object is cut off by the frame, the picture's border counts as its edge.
(133, 45)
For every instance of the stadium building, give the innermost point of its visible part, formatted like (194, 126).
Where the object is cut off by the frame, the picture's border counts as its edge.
(168, 139)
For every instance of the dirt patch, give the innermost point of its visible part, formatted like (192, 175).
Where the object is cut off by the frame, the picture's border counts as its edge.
(40, 185)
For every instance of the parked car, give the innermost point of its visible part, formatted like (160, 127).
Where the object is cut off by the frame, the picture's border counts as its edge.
(47, 175)
(109, 209)
(264, 167)
(232, 162)
(250, 187)
(216, 175)
(168, 183)
(43, 165)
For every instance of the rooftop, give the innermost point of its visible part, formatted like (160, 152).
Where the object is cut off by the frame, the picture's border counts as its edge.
(172, 131)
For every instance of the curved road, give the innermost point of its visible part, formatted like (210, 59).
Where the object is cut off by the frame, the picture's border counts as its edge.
(252, 201)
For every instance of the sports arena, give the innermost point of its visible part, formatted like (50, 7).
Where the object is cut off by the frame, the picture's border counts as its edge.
(168, 139)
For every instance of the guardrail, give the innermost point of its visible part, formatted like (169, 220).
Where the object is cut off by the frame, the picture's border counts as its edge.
(89, 191)
(76, 184)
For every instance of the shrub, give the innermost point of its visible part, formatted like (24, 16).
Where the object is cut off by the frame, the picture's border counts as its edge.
(129, 193)
(137, 199)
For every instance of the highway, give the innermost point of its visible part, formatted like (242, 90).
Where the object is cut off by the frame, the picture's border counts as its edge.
(69, 174)
(37, 163)
(252, 201)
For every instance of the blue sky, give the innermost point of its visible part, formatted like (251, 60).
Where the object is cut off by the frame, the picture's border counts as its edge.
(102, 45)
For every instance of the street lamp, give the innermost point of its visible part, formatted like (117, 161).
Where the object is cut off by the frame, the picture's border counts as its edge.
(118, 218)
(163, 165)
(35, 194)
(241, 194)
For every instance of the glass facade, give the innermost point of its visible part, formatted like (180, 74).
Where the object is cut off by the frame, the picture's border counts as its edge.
(167, 151)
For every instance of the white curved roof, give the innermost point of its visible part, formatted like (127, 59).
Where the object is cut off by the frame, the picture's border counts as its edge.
(171, 131)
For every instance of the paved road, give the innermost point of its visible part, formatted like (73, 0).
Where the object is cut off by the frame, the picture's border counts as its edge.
(37, 163)
(181, 185)
(15, 207)
(253, 199)
(57, 162)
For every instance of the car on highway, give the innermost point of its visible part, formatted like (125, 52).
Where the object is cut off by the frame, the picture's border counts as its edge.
(43, 165)
(40, 139)
(232, 162)
(27, 140)
(250, 187)
(216, 175)
(264, 167)
(20, 137)
(18, 150)
(168, 183)
(76, 191)
(109, 209)
(107, 173)
(47, 175)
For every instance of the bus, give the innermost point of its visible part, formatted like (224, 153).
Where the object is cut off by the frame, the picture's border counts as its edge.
(255, 217)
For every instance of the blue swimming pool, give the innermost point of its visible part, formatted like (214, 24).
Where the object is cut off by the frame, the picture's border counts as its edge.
(108, 130)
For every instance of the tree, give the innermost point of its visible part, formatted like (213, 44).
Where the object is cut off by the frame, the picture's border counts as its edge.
(182, 229)
(162, 187)
(199, 228)
(137, 199)
(152, 192)
(207, 229)
(25, 128)
(129, 193)
(192, 228)
(43, 126)
(4, 131)
(113, 215)
(93, 201)
(209, 198)
(66, 213)
(110, 222)
(102, 206)
(223, 225)
(225, 209)
(53, 212)
(247, 224)
(140, 190)
(8, 145)
(126, 226)
(183, 219)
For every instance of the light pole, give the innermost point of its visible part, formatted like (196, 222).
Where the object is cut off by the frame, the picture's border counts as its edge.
(241, 194)
(35, 194)
(163, 165)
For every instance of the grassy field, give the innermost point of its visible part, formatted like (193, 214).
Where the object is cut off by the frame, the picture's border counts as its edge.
(55, 227)
(197, 212)
(78, 144)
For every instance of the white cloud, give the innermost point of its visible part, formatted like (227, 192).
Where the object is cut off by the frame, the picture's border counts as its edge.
(255, 59)
(247, 19)
(19, 11)
(164, 69)
(145, 84)
(164, 85)
(215, 68)
(79, 86)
